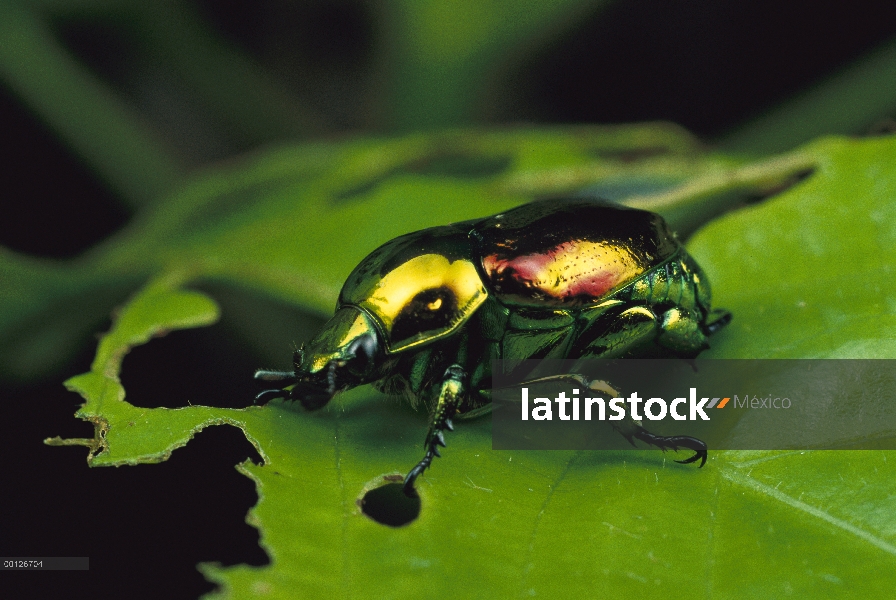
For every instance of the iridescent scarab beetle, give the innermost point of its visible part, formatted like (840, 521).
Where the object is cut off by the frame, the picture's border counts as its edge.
(426, 313)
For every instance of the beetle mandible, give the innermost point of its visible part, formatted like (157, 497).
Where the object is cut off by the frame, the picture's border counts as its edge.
(425, 313)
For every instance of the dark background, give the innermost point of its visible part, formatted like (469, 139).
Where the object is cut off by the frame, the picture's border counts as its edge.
(706, 65)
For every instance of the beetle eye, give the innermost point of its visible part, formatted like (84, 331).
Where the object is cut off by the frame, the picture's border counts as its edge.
(363, 353)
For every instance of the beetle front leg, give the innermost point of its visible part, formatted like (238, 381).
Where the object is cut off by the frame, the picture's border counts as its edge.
(450, 396)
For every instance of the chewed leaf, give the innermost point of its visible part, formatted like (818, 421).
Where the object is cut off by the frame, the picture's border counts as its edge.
(804, 274)
(156, 310)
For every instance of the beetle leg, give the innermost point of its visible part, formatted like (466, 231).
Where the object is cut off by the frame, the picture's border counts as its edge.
(631, 429)
(450, 396)
(681, 332)
(717, 319)
(635, 431)
(618, 332)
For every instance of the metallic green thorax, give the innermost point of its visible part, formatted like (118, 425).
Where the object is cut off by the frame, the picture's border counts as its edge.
(418, 288)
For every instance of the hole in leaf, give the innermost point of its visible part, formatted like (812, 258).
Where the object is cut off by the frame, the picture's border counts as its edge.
(386, 503)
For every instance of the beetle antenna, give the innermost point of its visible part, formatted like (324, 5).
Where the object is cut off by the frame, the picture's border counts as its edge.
(265, 375)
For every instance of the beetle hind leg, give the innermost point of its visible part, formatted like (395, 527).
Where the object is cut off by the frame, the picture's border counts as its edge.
(617, 333)
(681, 332)
(718, 318)
(673, 443)
(450, 396)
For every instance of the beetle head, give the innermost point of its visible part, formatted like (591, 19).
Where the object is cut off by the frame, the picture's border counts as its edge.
(344, 354)
(412, 291)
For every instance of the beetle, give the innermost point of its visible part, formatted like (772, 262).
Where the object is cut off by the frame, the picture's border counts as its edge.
(424, 314)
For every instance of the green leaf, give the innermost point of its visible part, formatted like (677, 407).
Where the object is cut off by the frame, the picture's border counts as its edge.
(807, 273)
(804, 274)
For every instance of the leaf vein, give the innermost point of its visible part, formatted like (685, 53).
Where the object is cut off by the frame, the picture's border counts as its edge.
(762, 488)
